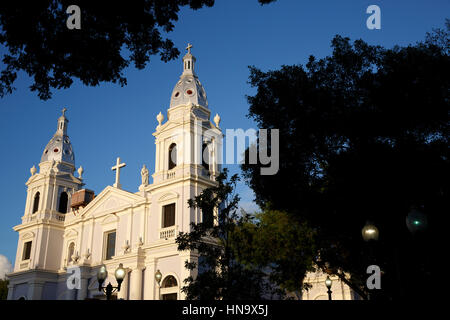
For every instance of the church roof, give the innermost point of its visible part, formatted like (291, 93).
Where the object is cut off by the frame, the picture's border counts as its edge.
(188, 89)
(59, 148)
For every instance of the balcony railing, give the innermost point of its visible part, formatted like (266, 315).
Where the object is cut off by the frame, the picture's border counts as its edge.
(24, 265)
(170, 174)
(167, 233)
(59, 216)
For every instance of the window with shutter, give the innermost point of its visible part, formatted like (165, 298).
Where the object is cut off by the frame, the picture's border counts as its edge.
(169, 215)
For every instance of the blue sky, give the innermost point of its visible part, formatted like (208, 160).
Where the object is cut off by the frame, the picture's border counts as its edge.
(108, 121)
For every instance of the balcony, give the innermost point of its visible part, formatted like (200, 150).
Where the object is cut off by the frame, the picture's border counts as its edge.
(24, 264)
(167, 233)
(170, 175)
(59, 217)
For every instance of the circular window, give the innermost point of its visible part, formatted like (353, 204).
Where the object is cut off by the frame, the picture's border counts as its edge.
(67, 151)
(176, 94)
(56, 150)
(189, 92)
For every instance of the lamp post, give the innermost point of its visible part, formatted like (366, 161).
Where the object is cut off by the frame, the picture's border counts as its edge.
(102, 274)
(416, 220)
(328, 283)
(369, 232)
(158, 277)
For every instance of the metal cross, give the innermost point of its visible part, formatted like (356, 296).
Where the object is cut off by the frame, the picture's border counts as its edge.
(189, 46)
(117, 168)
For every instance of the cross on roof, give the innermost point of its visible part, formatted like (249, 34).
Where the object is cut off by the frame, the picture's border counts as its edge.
(117, 168)
(189, 46)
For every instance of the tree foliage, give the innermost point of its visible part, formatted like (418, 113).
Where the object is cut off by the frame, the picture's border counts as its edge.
(280, 245)
(220, 274)
(112, 36)
(3, 289)
(364, 136)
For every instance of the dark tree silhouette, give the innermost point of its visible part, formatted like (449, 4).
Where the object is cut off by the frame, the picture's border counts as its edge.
(363, 136)
(221, 276)
(38, 41)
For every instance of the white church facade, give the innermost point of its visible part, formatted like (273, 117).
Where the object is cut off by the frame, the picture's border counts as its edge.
(136, 229)
(65, 226)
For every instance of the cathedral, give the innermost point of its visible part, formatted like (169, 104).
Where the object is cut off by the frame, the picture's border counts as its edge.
(66, 226)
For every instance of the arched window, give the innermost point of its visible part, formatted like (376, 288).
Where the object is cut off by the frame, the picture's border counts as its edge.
(205, 156)
(63, 200)
(70, 252)
(169, 282)
(36, 202)
(172, 156)
(169, 288)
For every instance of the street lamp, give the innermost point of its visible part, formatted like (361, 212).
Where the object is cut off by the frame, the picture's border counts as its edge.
(369, 232)
(328, 283)
(102, 274)
(416, 220)
(158, 277)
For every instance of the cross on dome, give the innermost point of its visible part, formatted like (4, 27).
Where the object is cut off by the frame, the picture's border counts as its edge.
(188, 89)
(188, 48)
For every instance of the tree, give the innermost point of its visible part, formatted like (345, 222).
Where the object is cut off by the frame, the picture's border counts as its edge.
(3, 289)
(40, 44)
(220, 274)
(280, 245)
(363, 136)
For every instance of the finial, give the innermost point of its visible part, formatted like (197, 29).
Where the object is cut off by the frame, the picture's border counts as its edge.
(64, 111)
(217, 120)
(33, 170)
(160, 118)
(188, 48)
(80, 172)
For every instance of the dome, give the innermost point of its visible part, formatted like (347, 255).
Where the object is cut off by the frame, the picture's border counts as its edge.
(59, 147)
(188, 89)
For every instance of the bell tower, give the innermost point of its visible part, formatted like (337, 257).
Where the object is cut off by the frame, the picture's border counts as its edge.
(49, 193)
(188, 144)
